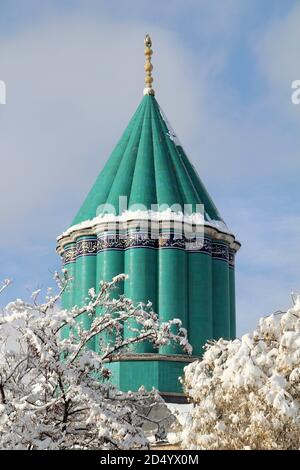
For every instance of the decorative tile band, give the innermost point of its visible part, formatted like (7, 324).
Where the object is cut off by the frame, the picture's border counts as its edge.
(231, 258)
(111, 241)
(140, 239)
(69, 255)
(220, 251)
(86, 247)
(172, 242)
(122, 241)
(199, 245)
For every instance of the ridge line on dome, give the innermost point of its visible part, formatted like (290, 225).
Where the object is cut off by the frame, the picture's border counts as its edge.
(185, 160)
(167, 152)
(166, 187)
(139, 151)
(176, 160)
(171, 132)
(136, 131)
(143, 187)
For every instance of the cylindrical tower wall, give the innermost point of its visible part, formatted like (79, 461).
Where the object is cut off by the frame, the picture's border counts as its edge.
(182, 278)
(200, 297)
(85, 275)
(220, 286)
(232, 294)
(172, 286)
(110, 263)
(68, 295)
(141, 285)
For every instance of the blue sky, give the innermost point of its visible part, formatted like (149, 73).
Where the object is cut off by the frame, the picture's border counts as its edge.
(223, 71)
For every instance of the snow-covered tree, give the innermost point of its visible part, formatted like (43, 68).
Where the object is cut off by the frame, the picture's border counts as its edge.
(55, 392)
(246, 393)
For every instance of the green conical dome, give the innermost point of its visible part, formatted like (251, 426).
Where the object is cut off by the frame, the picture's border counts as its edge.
(148, 166)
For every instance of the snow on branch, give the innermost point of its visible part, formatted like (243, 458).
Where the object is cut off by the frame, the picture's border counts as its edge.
(4, 285)
(246, 393)
(55, 391)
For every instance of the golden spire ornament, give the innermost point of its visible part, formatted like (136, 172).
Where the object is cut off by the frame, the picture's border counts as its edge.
(148, 66)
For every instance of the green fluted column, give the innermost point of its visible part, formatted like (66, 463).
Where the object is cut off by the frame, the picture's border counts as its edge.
(220, 282)
(110, 263)
(85, 275)
(200, 300)
(141, 267)
(69, 258)
(232, 295)
(173, 291)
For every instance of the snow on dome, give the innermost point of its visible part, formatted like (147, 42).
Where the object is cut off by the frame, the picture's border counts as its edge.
(166, 215)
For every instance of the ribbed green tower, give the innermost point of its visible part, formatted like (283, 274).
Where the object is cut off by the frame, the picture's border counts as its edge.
(183, 266)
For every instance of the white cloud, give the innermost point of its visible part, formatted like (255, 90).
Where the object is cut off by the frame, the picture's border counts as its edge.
(277, 51)
(268, 268)
(73, 81)
(72, 87)
(278, 47)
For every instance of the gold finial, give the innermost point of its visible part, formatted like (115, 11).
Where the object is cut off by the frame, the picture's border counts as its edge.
(148, 66)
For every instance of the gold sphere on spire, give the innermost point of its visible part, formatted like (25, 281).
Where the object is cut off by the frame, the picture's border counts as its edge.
(147, 41)
(148, 67)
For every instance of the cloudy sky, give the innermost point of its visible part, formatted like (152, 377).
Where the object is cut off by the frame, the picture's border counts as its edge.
(223, 71)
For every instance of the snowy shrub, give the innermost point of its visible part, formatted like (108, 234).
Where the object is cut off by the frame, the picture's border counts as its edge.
(246, 393)
(55, 393)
